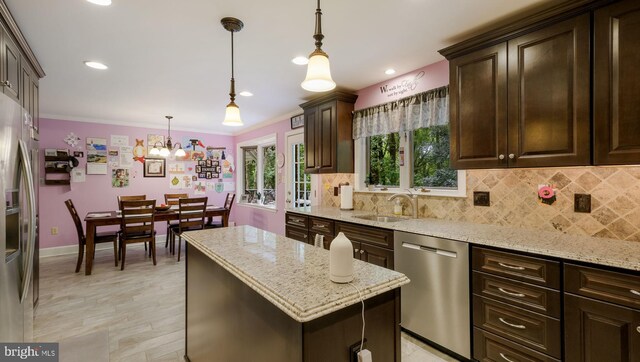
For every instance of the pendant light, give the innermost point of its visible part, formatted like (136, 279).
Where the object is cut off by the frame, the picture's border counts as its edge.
(165, 148)
(318, 70)
(232, 114)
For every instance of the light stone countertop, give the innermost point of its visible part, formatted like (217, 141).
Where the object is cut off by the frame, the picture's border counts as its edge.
(610, 252)
(294, 276)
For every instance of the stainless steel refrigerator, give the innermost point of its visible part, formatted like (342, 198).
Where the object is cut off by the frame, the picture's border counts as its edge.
(18, 221)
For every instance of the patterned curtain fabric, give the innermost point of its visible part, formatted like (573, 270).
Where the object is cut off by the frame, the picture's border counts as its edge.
(420, 110)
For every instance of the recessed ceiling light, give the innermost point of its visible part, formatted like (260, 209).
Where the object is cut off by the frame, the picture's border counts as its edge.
(95, 65)
(246, 94)
(300, 60)
(390, 71)
(100, 2)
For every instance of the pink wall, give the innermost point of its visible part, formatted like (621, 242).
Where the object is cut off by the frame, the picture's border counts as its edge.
(97, 192)
(423, 79)
(261, 218)
(429, 77)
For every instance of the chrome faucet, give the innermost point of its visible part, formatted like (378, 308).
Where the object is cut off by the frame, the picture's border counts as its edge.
(413, 200)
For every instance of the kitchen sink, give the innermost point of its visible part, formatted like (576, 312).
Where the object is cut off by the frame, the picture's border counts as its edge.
(379, 218)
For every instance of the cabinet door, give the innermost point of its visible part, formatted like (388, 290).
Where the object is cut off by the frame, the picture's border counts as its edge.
(326, 138)
(375, 255)
(478, 109)
(25, 84)
(35, 101)
(616, 78)
(549, 89)
(11, 71)
(599, 331)
(310, 145)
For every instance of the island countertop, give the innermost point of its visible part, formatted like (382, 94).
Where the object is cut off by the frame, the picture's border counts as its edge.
(293, 276)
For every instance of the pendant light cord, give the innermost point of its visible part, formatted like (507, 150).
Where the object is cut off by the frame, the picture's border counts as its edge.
(318, 35)
(232, 92)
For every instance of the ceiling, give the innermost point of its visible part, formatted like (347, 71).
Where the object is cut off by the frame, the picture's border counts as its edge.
(170, 57)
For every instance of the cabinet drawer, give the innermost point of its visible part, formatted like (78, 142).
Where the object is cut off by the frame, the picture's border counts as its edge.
(321, 226)
(530, 297)
(366, 234)
(488, 347)
(619, 288)
(519, 267)
(533, 330)
(296, 234)
(297, 220)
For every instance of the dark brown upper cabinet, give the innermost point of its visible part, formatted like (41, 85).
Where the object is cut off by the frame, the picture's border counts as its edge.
(523, 102)
(11, 70)
(478, 100)
(328, 133)
(616, 77)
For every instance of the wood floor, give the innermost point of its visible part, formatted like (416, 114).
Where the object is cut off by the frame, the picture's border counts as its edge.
(141, 308)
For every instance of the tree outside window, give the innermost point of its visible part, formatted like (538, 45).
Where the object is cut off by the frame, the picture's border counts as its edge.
(431, 158)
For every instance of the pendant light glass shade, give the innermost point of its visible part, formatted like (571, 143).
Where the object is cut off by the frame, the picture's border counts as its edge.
(154, 151)
(164, 152)
(232, 116)
(318, 73)
(180, 152)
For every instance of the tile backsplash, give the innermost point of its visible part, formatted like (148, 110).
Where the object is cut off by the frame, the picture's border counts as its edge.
(615, 200)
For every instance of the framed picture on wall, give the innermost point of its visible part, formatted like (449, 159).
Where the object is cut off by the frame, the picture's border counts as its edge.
(297, 121)
(154, 167)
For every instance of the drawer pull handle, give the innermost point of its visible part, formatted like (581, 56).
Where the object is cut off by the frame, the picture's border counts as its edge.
(519, 295)
(519, 326)
(514, 267)
(635, 292)
(505, 357)
(320, 226)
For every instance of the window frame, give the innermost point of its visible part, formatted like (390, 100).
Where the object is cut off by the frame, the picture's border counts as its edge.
(361, 157)
(260, 143)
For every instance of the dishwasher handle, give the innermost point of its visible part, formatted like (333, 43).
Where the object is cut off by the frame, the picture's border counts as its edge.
(429, 249)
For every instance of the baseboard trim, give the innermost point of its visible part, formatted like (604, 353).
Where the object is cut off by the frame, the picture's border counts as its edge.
(73, 249)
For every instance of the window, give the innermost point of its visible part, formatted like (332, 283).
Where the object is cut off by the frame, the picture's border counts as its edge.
(431, 158)
(418, 160)
(384, 160)
(256, 177)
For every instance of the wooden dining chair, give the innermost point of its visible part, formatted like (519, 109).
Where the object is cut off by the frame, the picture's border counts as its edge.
(132, 198)
(137, 226)
(101, 237)
(191, 212)
(224, 220)
(172, 200)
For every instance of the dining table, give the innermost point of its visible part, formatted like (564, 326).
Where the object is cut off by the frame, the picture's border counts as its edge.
(95, 219)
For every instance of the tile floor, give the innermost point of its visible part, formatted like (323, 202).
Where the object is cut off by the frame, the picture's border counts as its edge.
(133, 315)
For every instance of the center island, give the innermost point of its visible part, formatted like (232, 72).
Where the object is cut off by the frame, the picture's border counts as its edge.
(253, 295)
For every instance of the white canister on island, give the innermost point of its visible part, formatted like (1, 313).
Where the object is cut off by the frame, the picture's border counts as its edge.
(341, 259)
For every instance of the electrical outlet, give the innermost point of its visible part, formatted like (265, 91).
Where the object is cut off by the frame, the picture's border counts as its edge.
(54, 230)
(582, 203)
(481, 198)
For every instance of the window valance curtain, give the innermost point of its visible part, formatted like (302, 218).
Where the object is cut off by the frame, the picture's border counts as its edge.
(420, 110)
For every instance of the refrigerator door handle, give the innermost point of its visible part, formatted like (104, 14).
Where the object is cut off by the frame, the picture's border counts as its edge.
(31, 233)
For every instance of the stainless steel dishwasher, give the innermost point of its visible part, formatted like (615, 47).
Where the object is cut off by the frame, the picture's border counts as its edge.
(435, 304)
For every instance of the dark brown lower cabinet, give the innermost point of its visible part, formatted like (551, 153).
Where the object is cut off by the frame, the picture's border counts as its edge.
(600, 331)
(297, 234)
(489, 347)
(375, 255)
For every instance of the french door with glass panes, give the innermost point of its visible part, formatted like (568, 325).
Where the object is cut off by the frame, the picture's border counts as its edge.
(300, 187)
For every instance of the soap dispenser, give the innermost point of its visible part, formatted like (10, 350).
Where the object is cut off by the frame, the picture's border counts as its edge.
(397, 207)
(341, 259)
